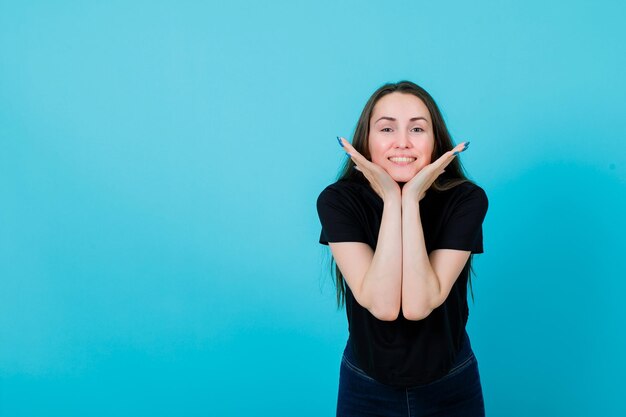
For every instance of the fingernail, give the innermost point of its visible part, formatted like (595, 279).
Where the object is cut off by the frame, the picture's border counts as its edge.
(455, 153)
(339, 140)
(466, 144)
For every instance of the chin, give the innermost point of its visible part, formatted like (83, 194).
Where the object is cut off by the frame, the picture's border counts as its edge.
(402, 178)
(402, 175)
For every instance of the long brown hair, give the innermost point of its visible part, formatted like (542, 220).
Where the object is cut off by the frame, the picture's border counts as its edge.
(454, 175)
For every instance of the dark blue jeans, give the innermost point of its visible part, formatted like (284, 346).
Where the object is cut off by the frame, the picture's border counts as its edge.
(459, 393)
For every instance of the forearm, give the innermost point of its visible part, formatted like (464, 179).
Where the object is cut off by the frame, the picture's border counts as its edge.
(382, 283)
(420, 285)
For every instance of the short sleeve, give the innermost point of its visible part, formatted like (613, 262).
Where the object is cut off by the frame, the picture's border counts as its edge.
(339, 218)
(463, 229)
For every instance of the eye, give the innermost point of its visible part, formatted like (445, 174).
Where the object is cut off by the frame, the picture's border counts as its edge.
(385, 129)
(420, 129)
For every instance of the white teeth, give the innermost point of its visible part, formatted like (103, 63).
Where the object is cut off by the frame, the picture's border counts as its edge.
(402, 159)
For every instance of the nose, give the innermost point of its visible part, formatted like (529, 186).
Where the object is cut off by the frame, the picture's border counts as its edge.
(403, 141)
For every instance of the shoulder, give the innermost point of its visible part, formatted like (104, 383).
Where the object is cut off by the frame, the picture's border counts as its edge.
(346, 185)
(467, 188)
(466, 193)
(461, 214)
(342, 190)
(472, 189)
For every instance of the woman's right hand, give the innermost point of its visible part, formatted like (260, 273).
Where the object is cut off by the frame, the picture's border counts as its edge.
(380, 181)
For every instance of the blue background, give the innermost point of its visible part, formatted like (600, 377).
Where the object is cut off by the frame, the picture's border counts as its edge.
(160, 163)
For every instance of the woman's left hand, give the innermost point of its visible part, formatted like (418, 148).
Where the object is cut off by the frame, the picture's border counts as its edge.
(417, 186)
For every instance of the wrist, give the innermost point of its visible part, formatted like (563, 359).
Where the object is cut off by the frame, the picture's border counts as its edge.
(392, 195)
(409, 199)
(392, 198)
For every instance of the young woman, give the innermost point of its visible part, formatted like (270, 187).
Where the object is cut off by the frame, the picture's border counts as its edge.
(402, 222)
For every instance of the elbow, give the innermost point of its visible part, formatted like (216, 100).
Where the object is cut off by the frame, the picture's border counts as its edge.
(384, 309)
(386, 313)
(417, 312)
(416, 315)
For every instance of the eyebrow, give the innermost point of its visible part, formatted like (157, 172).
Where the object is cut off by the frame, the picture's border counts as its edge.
(393, 119)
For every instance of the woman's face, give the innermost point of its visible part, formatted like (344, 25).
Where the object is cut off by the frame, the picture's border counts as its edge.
(401, 128)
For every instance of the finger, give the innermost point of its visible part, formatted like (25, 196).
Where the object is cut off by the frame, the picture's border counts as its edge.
(447, 157)
(460, 148)
(354, 154)
(447, 161)
(456, 150)
(443, 161)
(347, 146)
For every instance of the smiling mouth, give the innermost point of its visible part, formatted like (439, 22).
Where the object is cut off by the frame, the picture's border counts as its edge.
(402, 160)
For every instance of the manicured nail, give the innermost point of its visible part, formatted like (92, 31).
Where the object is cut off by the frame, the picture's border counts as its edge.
(339, 140)
(455, 153)
(466, 144)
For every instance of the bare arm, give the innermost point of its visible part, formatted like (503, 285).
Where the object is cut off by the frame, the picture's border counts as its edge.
(427, 281)
(375, 277)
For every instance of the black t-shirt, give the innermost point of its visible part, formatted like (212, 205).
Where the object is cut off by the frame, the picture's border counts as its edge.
(403, 352)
